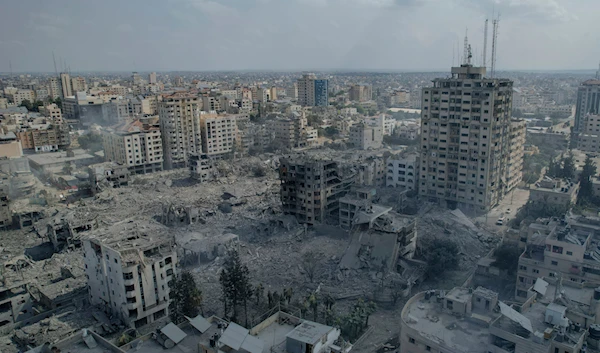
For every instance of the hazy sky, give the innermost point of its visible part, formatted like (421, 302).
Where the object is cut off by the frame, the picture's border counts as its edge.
(144, 35)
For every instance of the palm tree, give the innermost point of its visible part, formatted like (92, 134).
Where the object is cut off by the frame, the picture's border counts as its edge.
(314, 304)
(258, 292)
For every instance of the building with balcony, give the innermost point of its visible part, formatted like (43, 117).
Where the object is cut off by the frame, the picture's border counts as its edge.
(294, 132)
(403, 171)
(475, 320)
(466, 140)
(219, 134)
(136, 145)
(129, 268)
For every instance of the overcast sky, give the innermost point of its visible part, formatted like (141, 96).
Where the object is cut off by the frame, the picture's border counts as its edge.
(143, 35)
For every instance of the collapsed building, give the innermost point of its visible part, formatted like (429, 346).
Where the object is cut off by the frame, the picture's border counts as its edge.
(129, 268)
(64, 229)
(381, 240)
(201, 167)
(107, 175)
(5, 212)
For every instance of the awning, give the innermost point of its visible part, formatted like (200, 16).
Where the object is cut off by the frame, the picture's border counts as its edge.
(200, 323)
(173, 332)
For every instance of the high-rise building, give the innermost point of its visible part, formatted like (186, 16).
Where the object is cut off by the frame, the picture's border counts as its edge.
(78, 84)
(313, 92)
(136, 79)
(292, 91)
(152, 78)
(179, 116)
(361, 93)
(136, 144)
(219, 134)
(54, 87)
(129, 272)
(466, 138)
(294, 132)
(588, 102)
(65, 83)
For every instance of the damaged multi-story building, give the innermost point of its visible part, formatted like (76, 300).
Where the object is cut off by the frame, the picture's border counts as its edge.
(566, 249)
(129, 268)
(311, 187)
(5, 212)
(470, 145)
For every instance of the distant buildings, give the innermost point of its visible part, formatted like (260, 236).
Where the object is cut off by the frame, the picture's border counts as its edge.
(294, 132)
(468, 140)
(364, 136)
(588, 102)
(361, 93)
(136, 145)
(313, 92)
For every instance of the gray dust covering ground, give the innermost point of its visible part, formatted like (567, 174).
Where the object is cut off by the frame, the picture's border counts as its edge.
(274, 257)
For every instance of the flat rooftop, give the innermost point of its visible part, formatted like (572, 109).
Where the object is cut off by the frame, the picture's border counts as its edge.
(190, 343)
(274, 336)
(428, 318)
(136, 233)
(58, 157)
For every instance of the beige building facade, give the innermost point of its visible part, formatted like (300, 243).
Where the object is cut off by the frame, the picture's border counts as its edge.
(465, 140)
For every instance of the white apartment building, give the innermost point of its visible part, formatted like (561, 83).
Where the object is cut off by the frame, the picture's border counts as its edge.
(179, 116)
(152, 78)
(129, 272)
(219, 134)
(403, 171)
(210, 104)
(292, 91)
(364, 136)
(466, 140)
(137, 145)
(53, 111)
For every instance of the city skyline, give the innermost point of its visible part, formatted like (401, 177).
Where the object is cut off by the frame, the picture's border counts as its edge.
(295, 35)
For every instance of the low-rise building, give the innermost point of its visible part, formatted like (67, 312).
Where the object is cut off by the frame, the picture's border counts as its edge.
(467, 320)
(201, 167)
(10, 146)
(363, 136)
(555, 192)
(129, 269)
(403, 171)
(48, 137)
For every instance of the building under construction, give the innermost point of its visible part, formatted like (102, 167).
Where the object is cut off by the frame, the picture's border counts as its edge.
(311, 187)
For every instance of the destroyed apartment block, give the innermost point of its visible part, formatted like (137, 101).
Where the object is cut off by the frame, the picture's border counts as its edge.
(5, 211)
(311, 187)
(195, 249)
(381, 240)
(202, 167)
(64, 229)
(129, 268)
(107, 175)
(179, 215)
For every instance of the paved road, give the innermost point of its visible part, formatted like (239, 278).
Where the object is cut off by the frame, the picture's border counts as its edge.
(509, 206)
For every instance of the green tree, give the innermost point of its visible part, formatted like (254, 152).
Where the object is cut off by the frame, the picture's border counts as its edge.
(58, 101)
(507, 257)
(586, 189)
(27, 104)
(235, 285)
(186, 297)
(67, 168)
(568, 168)
(441, 255)
(330, 131)
(313, 302)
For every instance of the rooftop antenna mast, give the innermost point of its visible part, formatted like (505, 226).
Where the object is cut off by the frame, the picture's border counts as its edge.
(494, 44)
(54, 59)
(485, 37)
(466, 48)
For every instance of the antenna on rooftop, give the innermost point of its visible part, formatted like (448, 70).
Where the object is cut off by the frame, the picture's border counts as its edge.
(494, 44)
(469, 54)
(54, 59)
(485, 37)
(466, 48)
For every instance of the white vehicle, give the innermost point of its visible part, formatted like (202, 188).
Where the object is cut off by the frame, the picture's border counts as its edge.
(500, 221)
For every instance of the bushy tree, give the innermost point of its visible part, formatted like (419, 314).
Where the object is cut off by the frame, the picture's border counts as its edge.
(235, 284)
(507, 258)
(441, 255)
(91, 142)
(586, 189)
(186, 297)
